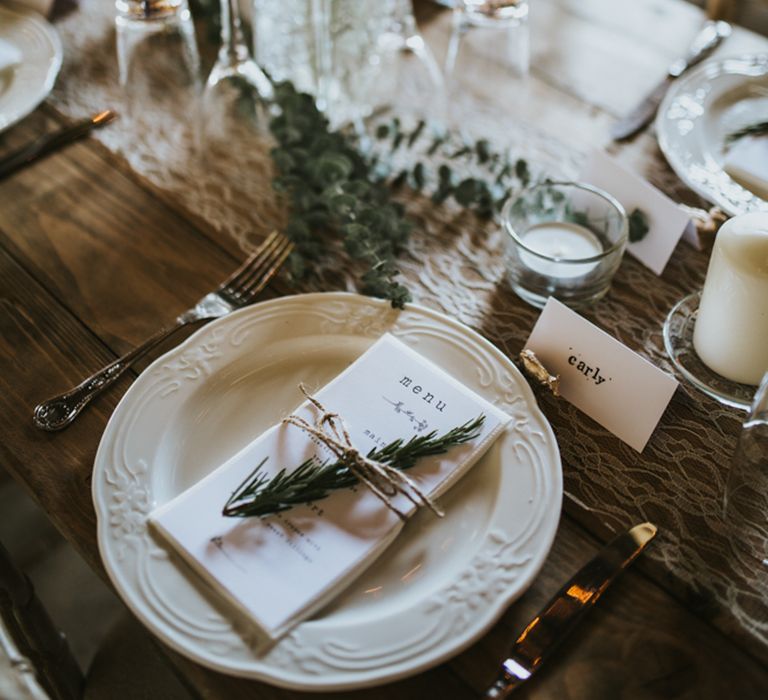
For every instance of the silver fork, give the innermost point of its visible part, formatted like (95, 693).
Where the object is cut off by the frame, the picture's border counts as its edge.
(236, 291)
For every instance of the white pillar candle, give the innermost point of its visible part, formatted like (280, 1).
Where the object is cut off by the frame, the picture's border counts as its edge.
(731, 332)
(564, 241)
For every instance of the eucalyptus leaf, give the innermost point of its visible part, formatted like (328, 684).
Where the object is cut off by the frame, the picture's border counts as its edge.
(638, 226)
(333, 191)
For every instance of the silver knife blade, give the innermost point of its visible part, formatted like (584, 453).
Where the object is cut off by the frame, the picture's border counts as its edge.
(705, 42)
(567, 608)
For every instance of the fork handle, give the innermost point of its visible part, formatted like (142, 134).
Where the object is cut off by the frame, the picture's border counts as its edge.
(59, 411)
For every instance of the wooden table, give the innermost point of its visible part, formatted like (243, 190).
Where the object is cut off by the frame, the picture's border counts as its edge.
(93, 258)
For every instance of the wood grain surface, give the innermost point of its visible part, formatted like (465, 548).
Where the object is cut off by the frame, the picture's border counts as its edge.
(93, 260)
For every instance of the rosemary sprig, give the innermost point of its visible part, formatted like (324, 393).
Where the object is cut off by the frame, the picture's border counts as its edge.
(758, 129)
(259, 495)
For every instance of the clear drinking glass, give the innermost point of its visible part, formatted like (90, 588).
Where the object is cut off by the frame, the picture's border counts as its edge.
(410, 81)
(488, 53)
(746, 493)
(565, 240)
(356, 56)
(290, 40)
(158, 61)
(234, 108)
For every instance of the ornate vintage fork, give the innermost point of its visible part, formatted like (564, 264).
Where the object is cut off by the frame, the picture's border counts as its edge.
(236, 291)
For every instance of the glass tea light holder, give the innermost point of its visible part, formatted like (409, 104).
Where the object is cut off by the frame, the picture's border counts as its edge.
(718, 338)
(563, 240)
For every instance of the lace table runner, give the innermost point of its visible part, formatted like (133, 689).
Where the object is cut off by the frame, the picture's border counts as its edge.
(454, 264)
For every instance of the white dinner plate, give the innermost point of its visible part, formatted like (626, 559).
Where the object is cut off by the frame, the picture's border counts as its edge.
(437, 589)
(700, 110)
(27, 84)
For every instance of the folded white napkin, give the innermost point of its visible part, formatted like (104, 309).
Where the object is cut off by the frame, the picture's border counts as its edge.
(747, 162)
(278, 570)
(10, 56)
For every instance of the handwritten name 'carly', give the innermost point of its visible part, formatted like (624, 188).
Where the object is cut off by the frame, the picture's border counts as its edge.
(592, 373)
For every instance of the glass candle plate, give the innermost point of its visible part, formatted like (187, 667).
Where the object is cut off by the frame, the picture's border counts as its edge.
(678, 342)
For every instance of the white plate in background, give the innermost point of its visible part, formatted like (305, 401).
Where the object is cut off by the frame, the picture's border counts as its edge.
(24, 86)
(698, 113)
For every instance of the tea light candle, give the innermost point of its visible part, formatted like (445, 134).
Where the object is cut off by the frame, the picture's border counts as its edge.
(731, 332)
(564, 241)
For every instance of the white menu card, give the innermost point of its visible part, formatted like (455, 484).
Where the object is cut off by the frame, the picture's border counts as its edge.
(281, 568)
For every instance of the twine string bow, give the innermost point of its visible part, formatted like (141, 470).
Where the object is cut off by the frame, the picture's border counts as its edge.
(384, 480)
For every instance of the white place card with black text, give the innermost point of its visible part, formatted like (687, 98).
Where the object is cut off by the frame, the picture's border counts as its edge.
(617, 387)
(666, 221)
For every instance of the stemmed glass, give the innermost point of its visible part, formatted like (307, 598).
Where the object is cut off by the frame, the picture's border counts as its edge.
(234, 108)
(410, 41)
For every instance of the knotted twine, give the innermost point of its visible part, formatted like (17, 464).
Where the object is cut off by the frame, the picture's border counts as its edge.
(384, 480)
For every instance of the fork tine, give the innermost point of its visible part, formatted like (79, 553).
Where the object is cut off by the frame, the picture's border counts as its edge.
(254, 259)
(274, 251)
(259, 279)
(259, 265)
(258, 282)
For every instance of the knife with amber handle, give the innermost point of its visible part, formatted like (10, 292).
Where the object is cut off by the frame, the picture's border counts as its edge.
(564, 612)
(51, 142)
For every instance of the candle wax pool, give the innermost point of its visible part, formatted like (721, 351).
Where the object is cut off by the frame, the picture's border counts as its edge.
(562, 240)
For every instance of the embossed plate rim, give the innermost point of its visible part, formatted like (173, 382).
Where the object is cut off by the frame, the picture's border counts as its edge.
(29, 96)
(499, 568)
(678, 149)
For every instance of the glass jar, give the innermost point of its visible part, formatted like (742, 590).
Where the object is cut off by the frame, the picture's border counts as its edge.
(565, 240)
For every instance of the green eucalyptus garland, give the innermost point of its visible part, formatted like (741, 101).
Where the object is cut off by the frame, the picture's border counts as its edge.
(338, 185)
(332, 188)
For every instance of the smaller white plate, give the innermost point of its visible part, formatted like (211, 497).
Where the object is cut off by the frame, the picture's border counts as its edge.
(26, 85)
(696, 116)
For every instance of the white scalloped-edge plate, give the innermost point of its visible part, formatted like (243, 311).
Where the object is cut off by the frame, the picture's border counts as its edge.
(25, 86)
(437, 589)
(696, 116)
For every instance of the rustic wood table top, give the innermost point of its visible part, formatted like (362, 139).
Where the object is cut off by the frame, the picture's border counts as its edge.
(93, 259)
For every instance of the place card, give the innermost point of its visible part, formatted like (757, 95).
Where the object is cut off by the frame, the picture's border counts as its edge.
(666, 220)
(619, 389)
(280, 569)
